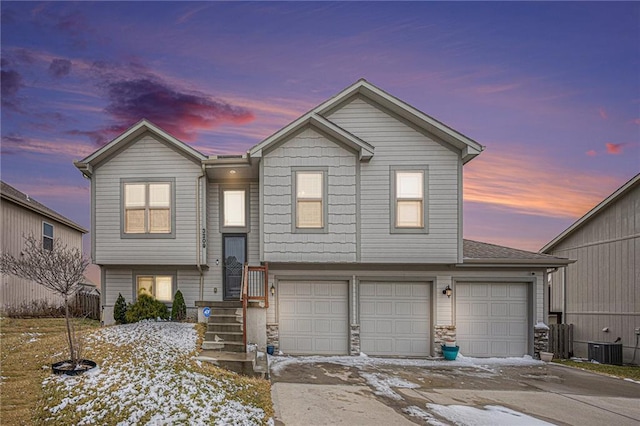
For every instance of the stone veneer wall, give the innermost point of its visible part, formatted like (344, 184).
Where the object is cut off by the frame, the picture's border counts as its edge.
(273, 336)
(355, 340)
(440, 334)
(540, 340)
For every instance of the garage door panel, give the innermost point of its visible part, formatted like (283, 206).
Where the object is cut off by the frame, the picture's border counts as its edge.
(499, 309)
(400, 323)
(318, 322)
(492, 319)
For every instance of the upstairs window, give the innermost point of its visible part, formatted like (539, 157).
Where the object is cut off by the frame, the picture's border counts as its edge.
(159, 287)
(310, 200)
(47, 236)
(408, 198)
(147, 208)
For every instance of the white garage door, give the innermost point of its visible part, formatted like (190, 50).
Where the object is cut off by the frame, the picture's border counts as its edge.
(313, 317)
(491, 319)
(394, 318)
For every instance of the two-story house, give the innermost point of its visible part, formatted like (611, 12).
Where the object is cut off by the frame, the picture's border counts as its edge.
(23, 216)
(356, 208)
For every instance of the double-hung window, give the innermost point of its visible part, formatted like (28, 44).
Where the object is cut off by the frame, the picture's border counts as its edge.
(157, 286)
(408, 210)
(147, 208)
(310, 209)
(47, 236)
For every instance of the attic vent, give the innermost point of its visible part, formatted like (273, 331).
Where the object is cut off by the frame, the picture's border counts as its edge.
(229, 156)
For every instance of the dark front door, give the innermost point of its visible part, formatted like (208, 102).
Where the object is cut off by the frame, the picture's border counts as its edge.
(235, 255)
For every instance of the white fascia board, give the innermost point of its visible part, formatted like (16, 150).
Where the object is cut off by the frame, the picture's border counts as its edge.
(138, 128)
(407, 112)
(364, 149)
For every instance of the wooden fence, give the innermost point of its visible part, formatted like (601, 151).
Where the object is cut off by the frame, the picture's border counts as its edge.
(86, 305)
(561, 340)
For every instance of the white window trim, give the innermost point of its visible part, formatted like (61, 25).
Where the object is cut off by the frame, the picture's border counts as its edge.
(325, 200)
(393, 228)
(172, 208)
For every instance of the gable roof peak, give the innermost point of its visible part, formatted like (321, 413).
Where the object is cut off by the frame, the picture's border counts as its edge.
(144, 125)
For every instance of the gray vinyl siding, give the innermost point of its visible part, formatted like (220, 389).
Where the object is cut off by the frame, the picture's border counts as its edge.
(398, 144)
(18, 222)
(213, 276)
(310, 149)
(148, 159)
(603, 286)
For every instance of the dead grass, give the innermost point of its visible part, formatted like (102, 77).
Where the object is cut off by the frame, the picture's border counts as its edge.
(621, 371)
(28, 346)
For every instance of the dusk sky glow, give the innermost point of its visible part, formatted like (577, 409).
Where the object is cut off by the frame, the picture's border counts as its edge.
(551, 89)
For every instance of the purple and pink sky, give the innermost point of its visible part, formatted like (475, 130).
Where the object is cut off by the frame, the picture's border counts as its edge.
(551, 89)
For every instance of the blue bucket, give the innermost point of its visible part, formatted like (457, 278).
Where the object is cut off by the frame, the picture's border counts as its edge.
(450, 352)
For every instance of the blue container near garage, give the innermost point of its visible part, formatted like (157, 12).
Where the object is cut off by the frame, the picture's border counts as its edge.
(450, 352)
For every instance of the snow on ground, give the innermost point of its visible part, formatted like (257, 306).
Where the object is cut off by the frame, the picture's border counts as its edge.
(155, 384)
(491, 415)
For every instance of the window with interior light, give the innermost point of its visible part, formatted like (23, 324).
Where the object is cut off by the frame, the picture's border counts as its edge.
(310, 207)
(234, 208)
(408, 199)
(159, 287)
(147, 209)
(47, 236)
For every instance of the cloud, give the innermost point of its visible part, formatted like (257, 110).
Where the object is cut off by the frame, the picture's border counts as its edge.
(60, 68)
(636, 121)
(533, 185)
(10, 84)
(614, 148)
(13, 144)
(591, 153)
(180, 112)
(603, 113)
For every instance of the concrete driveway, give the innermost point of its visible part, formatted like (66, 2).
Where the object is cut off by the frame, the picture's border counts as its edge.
(311, 391)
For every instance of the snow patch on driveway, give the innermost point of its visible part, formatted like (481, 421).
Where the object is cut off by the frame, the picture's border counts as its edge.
(278, 363)
(383, 383)
(491, 415)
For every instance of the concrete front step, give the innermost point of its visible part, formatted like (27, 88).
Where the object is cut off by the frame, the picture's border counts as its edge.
(227, 304)
(224, 326)
(225, 318)
(223, 336)
(224, 346)
(226, 311)
(242, 363)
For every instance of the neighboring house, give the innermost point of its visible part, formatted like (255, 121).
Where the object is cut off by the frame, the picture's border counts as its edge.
(602, 289)
(23, 216)
(356, 207)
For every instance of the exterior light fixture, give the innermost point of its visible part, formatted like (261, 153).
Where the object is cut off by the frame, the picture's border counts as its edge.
(447, 291)
(232, 172)
(273, 290)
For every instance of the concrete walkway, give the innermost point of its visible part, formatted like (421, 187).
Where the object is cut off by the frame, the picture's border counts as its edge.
(330, 394)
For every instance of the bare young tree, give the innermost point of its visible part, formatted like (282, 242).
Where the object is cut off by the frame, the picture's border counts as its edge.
(59, 269)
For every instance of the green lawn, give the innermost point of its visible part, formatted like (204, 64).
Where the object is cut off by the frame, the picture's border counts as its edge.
(623, 372)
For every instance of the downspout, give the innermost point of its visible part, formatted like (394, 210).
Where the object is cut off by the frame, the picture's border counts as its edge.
(199, 239)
